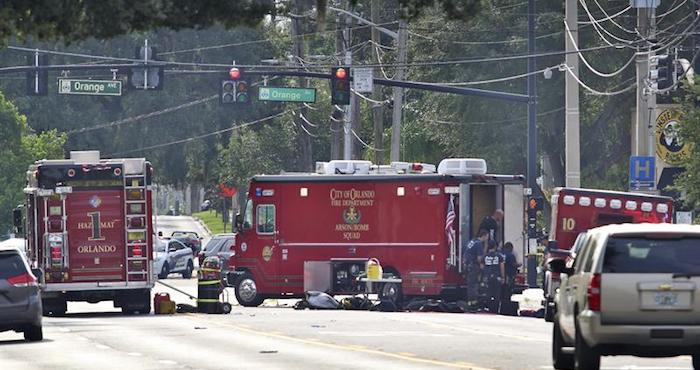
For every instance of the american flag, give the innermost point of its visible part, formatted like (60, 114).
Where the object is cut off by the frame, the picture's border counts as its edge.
(449, 221)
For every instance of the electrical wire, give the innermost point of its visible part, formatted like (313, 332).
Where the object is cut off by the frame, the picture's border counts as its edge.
(511, 120)
(594, 91)
(611, 19)
(143, 116)
(660, 17)
(301, 115)
(597, 27)
(608, 17)
(587, 64)
(193, 138)
(500, 79)
(378, 102)
(364, 143)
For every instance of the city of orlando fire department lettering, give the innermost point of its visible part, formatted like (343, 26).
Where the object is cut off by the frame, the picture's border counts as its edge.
(350, 202)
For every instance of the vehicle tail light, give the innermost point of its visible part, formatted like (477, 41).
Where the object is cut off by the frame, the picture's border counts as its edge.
(23, 280)
(594, 293)
(418, 167)
(136, 251)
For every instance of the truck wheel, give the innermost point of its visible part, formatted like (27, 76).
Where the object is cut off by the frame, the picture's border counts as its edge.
(696, 362)
(585, 357)
(247, 293)
(33, 333)
(164, 271)
(187, 274)
(548, 310)
(560, 360)
(391, 292)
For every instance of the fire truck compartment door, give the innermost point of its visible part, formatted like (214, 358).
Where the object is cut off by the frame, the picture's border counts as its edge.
(96, 235)
(514, 218)
(464, 221)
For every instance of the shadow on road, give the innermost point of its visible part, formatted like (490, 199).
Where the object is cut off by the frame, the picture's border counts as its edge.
(21, 341)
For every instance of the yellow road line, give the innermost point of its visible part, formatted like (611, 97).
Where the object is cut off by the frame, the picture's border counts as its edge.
(355, 348)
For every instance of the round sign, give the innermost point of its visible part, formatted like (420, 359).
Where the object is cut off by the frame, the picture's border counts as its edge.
(670, 147)
(244, 247)
(267, 253)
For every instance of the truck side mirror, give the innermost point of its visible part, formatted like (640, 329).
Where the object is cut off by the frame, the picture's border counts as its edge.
(238, 224)
(17, 220)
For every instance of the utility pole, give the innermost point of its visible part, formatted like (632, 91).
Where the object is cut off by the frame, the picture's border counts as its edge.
(646, 99)
(347, 125)
(532, 102)
(337, 117)
(377, 109)
(303, 138)
(398, 93)
(572, 128)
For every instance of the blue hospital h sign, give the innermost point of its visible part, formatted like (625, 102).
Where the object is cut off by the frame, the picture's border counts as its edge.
(642, 173)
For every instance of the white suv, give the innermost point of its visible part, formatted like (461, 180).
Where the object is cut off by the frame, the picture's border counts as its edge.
(634, 289)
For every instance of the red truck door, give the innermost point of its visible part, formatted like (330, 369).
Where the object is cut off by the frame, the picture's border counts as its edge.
(96, 235)
(267, 237)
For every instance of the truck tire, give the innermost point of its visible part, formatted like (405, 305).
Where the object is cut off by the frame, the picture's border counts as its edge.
(560, 360)
(391, 292)
(585, 357)
(164, 271)
(187, 274)
(696, 361)
(246, 291)
(33, 333)
(549, 310)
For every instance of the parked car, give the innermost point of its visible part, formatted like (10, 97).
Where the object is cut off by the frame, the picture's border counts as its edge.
(551, 278)
(190, 238)
(633, 289)
(20, 297)
(220, 245)
(173, 256)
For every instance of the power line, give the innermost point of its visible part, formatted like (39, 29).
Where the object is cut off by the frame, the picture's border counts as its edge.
(364, 143)
(510, 120)
(143, 116)
(594, 91)
(190, 139)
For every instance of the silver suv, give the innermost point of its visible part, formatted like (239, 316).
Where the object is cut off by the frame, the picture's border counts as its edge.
(633, 289)
(20, 299)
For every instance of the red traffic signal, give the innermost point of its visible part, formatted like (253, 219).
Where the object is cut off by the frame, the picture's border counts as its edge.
(341, 73)
(234, 73)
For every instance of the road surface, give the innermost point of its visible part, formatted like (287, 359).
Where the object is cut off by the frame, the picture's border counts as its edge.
(271, 337)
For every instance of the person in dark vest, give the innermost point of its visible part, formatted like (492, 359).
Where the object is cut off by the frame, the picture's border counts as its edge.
(493, 275)
(511, 266)
(473, 262)
(492, 224)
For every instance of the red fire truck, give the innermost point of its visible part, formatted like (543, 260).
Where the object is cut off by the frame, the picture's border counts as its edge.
(301, 232)
(575, 210)
(89, 229)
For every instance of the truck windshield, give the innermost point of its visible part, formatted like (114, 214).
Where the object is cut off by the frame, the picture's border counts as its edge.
(647, 255)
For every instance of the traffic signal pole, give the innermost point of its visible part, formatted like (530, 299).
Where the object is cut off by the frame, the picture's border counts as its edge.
(646, 98)
(532, 99)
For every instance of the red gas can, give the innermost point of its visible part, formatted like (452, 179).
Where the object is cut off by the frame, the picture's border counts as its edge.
(158, 299)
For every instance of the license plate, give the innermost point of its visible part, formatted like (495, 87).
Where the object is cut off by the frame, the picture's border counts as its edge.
(666, 299)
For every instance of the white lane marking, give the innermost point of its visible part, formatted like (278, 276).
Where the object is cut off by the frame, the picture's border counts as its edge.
(102, 346)
(64, 330)
(381, 334)
(167, 362)
(135, 354)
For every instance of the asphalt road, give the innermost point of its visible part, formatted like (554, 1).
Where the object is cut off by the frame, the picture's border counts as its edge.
(168, 224)
(275, 336)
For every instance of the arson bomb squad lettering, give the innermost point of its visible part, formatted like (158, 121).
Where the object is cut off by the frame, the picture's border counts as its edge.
(350, 201)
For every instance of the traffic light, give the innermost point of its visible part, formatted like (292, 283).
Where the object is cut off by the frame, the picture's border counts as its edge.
(146, 78)
(535, 204)
(660, 72)
(38, 81)
(340, 86)
(236, 89)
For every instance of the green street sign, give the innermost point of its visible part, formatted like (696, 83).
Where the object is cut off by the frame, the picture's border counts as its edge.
(287, 94)
(89, 87)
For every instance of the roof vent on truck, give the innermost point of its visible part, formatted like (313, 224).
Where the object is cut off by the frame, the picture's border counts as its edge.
(462, 166)
(85, 157)
(343, 167)
(407, 167)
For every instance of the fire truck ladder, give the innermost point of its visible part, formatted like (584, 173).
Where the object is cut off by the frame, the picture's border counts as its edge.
(136, 215)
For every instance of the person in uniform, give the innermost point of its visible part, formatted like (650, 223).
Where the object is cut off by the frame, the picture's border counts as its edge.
(493, 275)
(511, 266)
(473, 262)
(492, 224)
